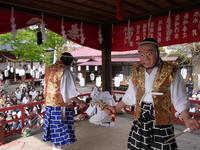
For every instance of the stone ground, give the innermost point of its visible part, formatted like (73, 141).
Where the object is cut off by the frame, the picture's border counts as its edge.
(92, 137)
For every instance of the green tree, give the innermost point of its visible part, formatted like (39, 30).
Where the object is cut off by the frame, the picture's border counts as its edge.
(25, 47)
(182, 59)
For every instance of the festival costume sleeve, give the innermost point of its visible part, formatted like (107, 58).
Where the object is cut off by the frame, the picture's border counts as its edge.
(129, 96)
(67, 86)
(179, 94)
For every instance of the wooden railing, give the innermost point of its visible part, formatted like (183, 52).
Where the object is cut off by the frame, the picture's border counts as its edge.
(23, 117)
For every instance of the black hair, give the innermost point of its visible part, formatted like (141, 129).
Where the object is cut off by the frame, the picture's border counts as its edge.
(66, 58)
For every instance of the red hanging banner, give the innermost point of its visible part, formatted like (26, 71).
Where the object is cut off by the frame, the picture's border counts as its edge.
(173, 29)
(183, 27)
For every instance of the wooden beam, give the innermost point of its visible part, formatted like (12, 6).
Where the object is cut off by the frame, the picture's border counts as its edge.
(86, 6)
(106, 58)
(152, 4)
(135, 6)
(74, 16)
(172, 2)
(113, 6)
(65, 8)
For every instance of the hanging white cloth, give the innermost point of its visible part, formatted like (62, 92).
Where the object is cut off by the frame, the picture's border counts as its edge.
(67, 88)
(184, 73)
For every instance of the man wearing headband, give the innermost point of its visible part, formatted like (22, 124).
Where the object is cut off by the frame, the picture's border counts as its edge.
(154, 87)
(60, 92)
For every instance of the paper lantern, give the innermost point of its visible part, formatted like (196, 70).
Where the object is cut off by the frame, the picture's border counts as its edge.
(95, 68)
(8, 67)
(116, 81)
(98, 81)
(82, 82)
(11, 69)
(79, 68)
(184, 73)
(17, 71)
(92, 76)
(87, 68)
(6, 74)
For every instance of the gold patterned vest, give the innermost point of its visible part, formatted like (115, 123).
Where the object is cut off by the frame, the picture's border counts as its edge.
(53, 77)
(162, 81)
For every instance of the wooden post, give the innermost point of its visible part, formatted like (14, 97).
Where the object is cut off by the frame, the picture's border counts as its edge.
(106, 58)
(14, 69)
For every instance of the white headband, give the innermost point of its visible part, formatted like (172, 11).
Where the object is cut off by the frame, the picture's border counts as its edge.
(67, 56)
(148, 42)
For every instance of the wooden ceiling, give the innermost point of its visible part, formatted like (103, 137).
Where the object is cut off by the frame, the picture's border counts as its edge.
(101, 11)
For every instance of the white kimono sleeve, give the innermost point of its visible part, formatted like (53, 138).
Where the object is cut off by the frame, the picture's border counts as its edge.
(130, 96)
(67, 86)
(179, 94)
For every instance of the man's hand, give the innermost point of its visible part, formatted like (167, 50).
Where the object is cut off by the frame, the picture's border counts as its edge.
(193, 124)
(79, 102)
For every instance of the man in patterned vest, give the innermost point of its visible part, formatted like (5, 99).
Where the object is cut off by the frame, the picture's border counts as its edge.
(60, 92)
(155, 87)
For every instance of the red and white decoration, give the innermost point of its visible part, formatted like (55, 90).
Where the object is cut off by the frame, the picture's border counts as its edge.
(174, 28)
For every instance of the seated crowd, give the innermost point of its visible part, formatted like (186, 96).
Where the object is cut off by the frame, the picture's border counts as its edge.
(22, 95)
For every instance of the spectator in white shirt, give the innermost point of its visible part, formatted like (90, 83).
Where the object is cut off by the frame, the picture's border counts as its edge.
(33, 93)
(26, 99)
(18, 93)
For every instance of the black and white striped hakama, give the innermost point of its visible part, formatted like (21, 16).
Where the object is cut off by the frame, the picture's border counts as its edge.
(145, 135)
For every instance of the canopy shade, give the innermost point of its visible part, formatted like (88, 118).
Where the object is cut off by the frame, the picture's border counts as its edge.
(168, 21)
(103, 11)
